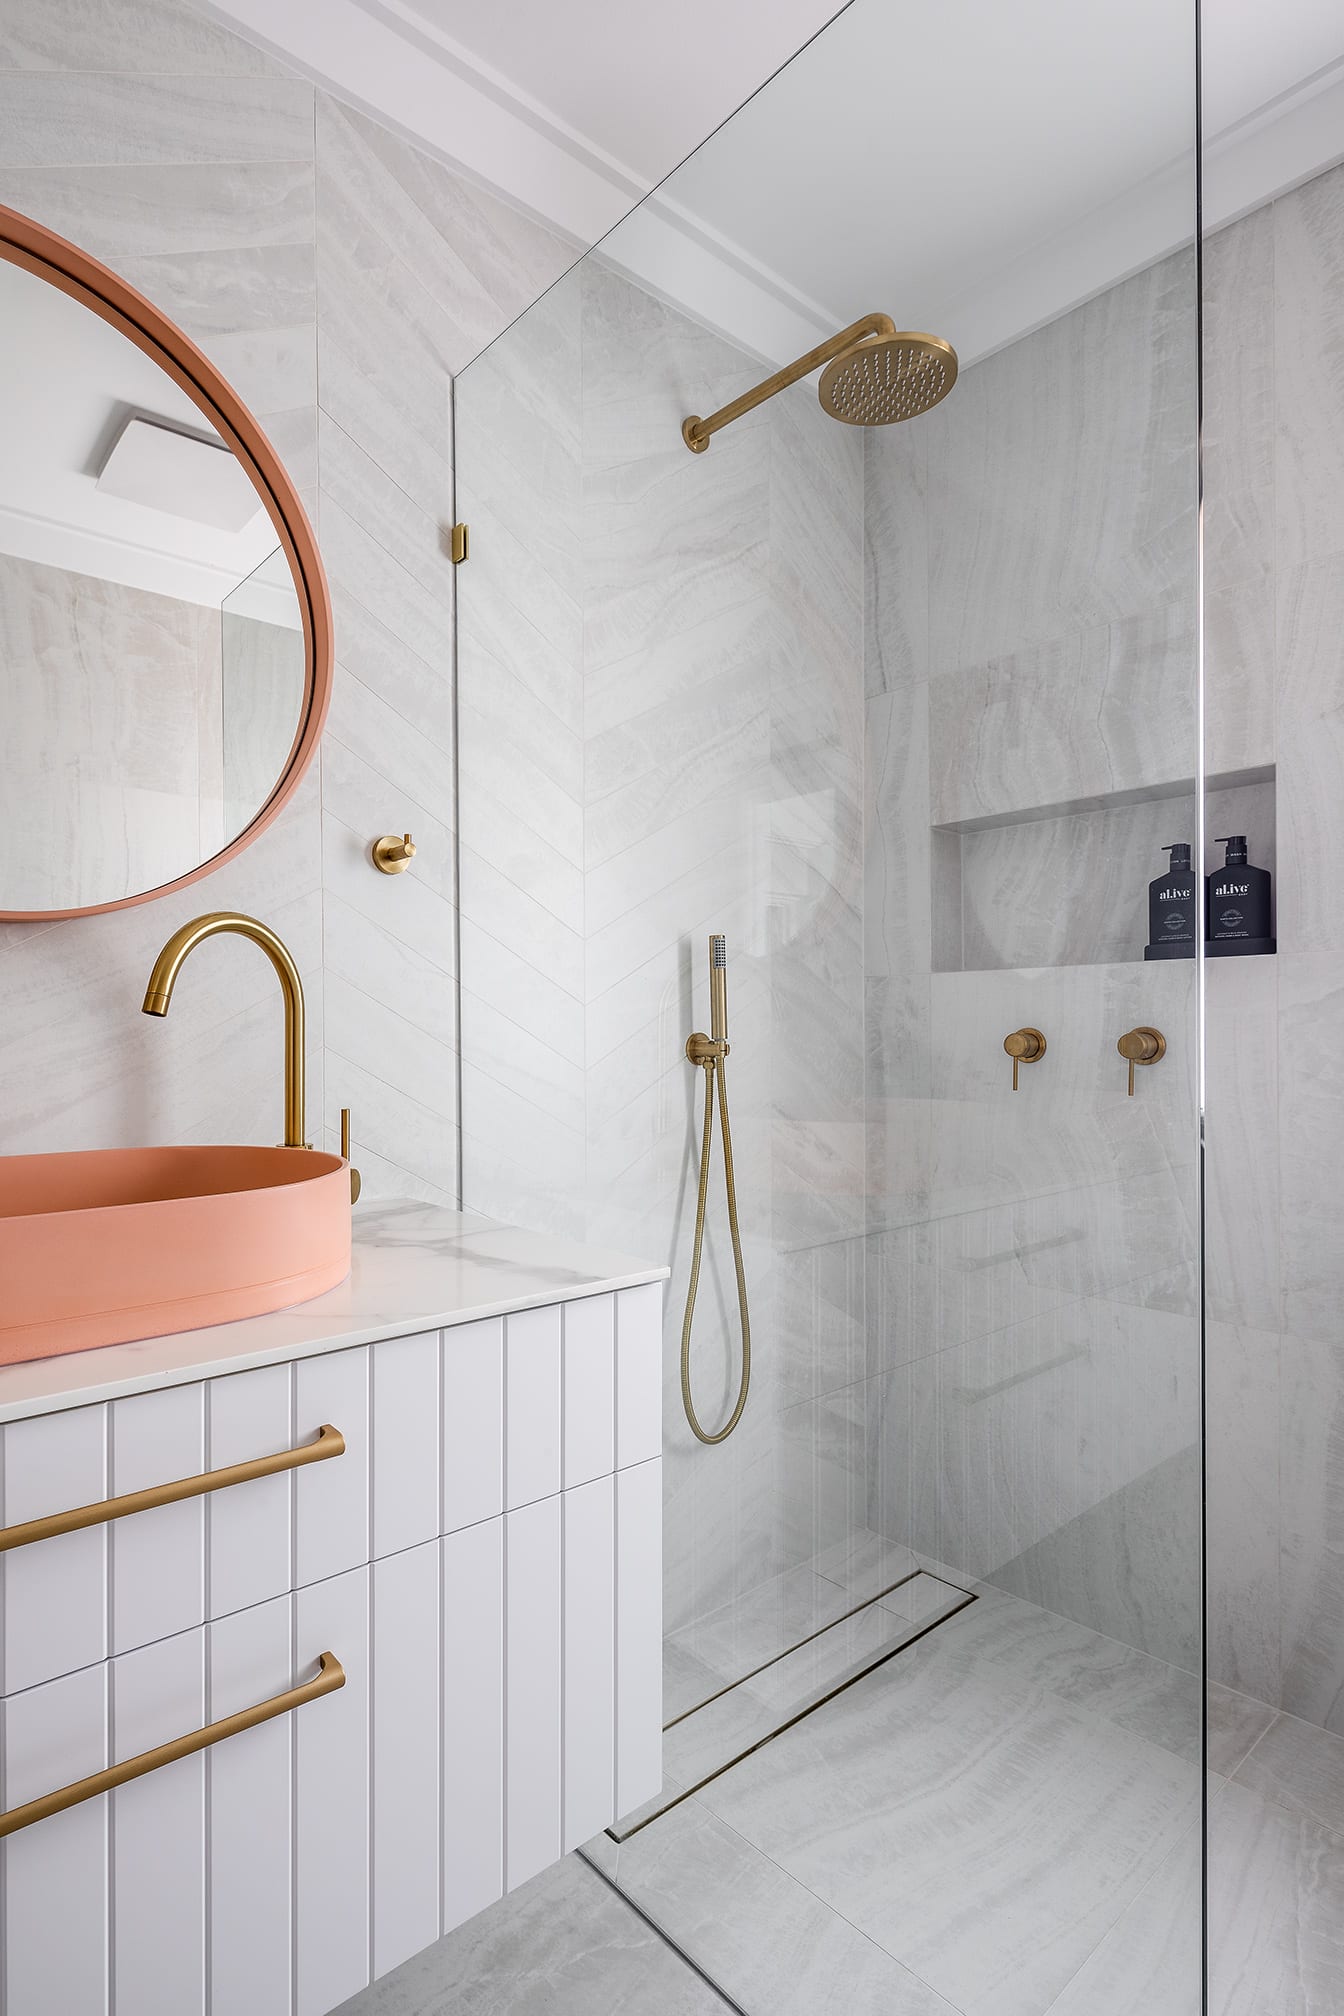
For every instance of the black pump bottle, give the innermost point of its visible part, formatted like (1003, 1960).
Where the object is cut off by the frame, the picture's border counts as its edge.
(1172, 908)
(1238, 904)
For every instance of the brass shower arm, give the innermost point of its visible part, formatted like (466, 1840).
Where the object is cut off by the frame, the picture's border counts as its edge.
(695, 432)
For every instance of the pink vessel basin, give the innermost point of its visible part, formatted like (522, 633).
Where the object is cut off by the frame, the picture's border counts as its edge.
(122, 1243)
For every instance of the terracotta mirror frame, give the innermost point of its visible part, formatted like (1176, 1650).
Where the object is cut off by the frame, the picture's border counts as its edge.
(23, 242)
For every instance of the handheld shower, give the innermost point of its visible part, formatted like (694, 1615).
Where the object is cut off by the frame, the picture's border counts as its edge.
(709, 1053)
(718, 990)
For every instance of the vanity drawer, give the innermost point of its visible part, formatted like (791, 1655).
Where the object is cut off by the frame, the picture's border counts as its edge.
(77, 1598)
(500, 1699)
(214, 1880)
(441, 1431)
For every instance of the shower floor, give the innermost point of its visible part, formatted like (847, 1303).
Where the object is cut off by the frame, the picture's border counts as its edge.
(1002, 1820)
(1005, 1820)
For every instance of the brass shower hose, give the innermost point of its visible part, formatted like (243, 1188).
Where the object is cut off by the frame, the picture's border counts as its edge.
(712, 1065)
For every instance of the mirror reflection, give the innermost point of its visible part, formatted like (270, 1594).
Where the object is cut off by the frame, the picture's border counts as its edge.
(152, 653)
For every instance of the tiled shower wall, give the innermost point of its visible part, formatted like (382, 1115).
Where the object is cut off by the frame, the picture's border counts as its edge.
(661, 714)
(1032, 1288)
(262, 216)
(1031, 1294)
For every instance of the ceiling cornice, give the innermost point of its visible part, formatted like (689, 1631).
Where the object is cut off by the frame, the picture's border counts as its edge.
(384, 58)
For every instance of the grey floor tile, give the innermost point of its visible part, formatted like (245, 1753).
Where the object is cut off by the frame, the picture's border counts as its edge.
(1099, 1675)
(983, 1831)
(726, 1727)
(563, 1945)
(865, 1562)
(1276, 1924)
(733, 1641)
(1300, 1767)
(777, 1950)
(1236, 1724)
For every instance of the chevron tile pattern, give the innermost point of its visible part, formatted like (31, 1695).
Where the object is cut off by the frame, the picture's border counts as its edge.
(660, 662)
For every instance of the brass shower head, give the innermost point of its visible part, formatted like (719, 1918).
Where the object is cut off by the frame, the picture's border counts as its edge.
(875, 374)
(881, 379)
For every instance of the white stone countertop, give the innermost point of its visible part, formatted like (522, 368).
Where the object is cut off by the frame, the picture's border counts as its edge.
(413, 1267)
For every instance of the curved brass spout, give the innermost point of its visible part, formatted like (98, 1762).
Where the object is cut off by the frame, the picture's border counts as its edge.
(159, 994)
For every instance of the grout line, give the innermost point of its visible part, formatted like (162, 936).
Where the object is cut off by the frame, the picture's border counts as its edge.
(665, 1937)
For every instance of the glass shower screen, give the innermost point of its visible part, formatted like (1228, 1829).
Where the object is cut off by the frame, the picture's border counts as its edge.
(894, 688)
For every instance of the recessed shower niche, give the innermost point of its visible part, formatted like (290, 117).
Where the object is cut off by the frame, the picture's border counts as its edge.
(1067, 885)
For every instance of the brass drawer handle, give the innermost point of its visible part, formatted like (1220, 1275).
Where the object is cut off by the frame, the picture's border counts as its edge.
(331, 1675)
(330, 1442)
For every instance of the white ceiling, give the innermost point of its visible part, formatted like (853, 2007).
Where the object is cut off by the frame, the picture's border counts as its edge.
(642, 83)
(972, 167)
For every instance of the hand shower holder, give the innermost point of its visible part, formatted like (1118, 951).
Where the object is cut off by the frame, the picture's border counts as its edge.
(704, 1050)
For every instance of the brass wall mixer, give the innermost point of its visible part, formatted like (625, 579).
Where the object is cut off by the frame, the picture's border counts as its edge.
(709, 1053)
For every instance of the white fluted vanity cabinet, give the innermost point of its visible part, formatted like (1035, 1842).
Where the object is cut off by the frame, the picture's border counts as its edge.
(483, 1559)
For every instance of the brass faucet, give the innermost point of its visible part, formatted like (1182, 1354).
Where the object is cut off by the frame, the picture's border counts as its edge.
(159, 994)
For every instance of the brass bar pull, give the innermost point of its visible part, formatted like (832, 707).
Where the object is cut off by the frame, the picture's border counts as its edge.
(331, 1675)
(330, 1442)
(1141, 1046)
(1024, 1046)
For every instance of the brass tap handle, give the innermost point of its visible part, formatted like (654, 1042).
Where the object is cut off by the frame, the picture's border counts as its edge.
(356, 1184)
(391, 855)
(1024, 1046)
(1141, 1046)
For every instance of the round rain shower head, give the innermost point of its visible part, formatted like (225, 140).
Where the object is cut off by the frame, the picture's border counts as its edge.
(881, 379)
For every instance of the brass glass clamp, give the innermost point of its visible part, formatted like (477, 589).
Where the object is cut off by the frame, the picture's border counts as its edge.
(1024, 1046)
(1141, 1046)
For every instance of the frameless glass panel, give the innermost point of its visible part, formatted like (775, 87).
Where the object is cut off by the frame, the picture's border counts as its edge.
(1273, 265)
(907, 714)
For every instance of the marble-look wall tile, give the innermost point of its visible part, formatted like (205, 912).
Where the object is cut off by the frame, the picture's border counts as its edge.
(1242, 1500)
(1238, 438)
(1311, 1515)
(1241, 1124)
(1311, 1143)
(483, 261)
(144, 211)
(87, 119)
(1308, 227)
(1311, 752)
(1084, 715)
(1062, 481)
(660, 673)
(896, 568)
(125, 37)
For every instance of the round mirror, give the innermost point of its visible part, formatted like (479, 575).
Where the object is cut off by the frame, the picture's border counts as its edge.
(165, 634)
